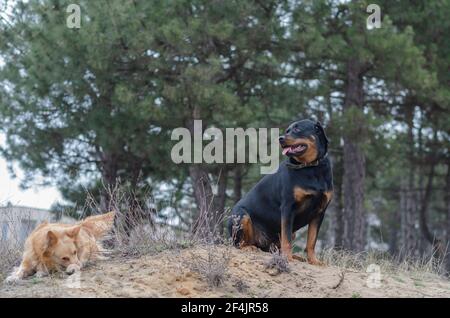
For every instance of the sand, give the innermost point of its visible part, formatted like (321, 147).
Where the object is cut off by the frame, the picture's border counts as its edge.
(170, 274)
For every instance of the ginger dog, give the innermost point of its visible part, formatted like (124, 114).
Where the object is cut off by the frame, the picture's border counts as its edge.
(62, 247)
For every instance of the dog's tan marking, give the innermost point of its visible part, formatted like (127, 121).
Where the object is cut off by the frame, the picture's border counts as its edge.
(329, 195)
(248, 234)
(285, 242)
(313, 227)
(311, 242)
(300, 194)
(311, 152)
(325, 201)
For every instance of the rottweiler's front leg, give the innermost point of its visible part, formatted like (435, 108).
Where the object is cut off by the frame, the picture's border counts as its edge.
(286, 235)
(313, 230)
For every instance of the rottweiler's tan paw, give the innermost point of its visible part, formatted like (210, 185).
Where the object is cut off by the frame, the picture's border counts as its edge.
(316, 262)
(299, 258)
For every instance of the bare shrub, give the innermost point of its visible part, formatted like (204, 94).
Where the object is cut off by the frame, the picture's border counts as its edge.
(138, 230)
(277, 262)
(208, 228)
(11, 248)
(10, 255)
(213, 266)
(135, 231)
(211, 261)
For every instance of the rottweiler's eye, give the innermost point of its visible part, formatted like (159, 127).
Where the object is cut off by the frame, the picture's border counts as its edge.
(296, 130)
(66, 259)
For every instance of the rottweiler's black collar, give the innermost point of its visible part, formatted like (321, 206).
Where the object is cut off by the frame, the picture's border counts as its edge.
(290, 164)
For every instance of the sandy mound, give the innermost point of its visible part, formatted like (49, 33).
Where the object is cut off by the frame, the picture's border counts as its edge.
(171, 274)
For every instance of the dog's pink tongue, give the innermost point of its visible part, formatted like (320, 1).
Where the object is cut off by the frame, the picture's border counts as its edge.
(286, 150)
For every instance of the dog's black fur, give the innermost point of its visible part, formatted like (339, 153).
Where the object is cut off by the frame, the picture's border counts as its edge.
(296, 195)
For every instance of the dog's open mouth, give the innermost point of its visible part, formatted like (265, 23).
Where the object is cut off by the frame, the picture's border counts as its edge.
(294, 149)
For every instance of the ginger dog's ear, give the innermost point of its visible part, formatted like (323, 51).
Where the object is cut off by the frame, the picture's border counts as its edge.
(52, 239)
(73, 232)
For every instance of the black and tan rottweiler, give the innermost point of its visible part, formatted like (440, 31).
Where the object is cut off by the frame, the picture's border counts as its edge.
(296, 195)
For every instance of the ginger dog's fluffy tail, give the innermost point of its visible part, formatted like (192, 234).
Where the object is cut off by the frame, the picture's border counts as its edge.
(99, 225)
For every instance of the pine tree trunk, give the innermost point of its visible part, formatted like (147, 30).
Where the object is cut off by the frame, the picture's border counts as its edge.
(408, 216)
(354, 161)
(428, 235)
(204, 198)
(339, 219)
(408, 196)
(419, 193)
(109, 171)
(401, 218)
(337, 202)
(436, 243)
(202, 188)
(394, 237)
(220, 200)
(447, 200)
(237, 188)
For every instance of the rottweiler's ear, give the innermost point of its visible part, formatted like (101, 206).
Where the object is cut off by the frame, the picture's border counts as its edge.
(321, 134)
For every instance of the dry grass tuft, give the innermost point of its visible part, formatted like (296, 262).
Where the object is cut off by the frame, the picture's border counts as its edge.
(241, 286)
(419, 267)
